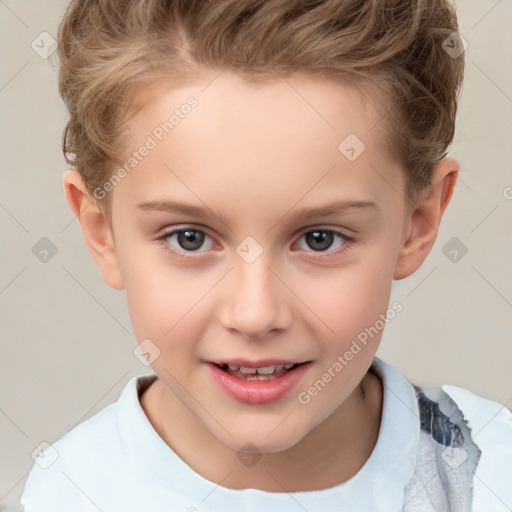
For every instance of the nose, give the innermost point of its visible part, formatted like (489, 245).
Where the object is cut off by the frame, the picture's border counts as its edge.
(257, 303)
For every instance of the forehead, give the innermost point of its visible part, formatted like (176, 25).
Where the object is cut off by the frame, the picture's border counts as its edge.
(227, 102)
(253, 138)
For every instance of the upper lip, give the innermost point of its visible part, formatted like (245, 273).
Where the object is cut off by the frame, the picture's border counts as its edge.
(260, 363)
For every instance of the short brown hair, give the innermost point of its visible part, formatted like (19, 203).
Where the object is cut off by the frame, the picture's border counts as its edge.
(111, 50)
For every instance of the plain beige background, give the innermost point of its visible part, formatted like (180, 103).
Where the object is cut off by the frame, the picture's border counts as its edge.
(67, 344)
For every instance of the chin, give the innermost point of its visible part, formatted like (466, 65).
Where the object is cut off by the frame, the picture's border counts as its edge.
(256, 438)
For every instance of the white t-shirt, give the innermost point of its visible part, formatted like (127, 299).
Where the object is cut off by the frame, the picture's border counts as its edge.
(438, 449)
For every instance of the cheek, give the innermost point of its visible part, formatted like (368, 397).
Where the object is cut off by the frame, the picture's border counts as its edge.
(160, 313)
(347, 300)
(162, 299)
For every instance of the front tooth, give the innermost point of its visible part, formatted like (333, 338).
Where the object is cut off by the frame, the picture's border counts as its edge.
(244, 369)
(266, 370)
(234, 367)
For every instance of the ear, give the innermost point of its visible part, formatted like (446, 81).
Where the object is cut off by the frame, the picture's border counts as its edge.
(423, 223)
(95, 228)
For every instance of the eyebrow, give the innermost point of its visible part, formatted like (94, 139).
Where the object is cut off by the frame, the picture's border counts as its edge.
(334, 208)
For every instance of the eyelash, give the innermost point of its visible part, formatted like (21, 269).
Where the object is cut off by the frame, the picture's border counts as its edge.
(168, 232)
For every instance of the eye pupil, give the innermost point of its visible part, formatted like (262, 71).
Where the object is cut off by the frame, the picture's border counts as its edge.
(190, 239)
(323, 237)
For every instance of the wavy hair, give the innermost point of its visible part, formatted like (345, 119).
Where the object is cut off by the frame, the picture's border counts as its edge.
(110, 51)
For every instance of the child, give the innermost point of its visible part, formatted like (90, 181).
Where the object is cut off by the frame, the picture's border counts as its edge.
(213, 145)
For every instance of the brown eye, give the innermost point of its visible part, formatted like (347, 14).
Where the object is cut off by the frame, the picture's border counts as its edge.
(190, 239)
(186, 240)
(320, 240)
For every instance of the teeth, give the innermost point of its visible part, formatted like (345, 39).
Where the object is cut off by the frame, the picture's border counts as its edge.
(244, 369)
(263, 370)
(266, 370)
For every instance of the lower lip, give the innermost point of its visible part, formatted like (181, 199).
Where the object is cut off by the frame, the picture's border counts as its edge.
(257, 391)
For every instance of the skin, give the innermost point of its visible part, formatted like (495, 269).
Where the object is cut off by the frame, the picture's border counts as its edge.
(256, 155)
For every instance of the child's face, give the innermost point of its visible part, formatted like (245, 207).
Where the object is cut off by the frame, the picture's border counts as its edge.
(253, 158)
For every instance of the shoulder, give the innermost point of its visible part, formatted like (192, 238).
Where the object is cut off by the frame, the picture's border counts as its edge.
(62, 468)
(489, 421)
(86, 457)
(464, 453)
(491, 430)
(481, 412)
(457, 417)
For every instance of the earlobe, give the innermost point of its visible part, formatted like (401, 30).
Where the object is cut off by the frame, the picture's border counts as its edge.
(95, 229)
(423, 223)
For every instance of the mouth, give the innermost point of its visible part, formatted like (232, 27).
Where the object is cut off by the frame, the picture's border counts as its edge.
(255, 372)
(258, 382)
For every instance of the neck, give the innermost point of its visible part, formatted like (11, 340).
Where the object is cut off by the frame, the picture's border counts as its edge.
(330, 454)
